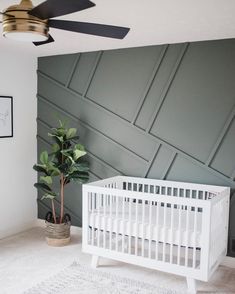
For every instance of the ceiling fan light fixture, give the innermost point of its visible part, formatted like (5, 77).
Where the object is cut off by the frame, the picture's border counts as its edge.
(19, 25)
(25, 36)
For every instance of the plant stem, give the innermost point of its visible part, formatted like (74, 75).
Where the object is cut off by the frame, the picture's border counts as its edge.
(61, 197)
(62, 189)
(53, 210)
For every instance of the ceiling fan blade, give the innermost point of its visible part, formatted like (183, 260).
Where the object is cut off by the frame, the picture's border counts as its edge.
(49, 40)
(90, 28)
(53, 8)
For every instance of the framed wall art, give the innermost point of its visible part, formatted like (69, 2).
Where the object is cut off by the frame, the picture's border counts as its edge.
(6, 116)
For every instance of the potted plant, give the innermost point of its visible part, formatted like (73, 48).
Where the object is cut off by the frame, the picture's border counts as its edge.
(63, 165)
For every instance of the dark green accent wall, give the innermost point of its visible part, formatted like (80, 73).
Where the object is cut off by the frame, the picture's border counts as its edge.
(163, 112)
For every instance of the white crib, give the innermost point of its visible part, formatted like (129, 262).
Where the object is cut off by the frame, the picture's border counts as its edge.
(179, 228)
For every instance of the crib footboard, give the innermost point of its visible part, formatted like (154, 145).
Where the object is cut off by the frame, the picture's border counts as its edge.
(166, 229)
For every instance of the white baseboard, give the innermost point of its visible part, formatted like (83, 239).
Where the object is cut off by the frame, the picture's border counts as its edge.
(16, 229)
(74, 229)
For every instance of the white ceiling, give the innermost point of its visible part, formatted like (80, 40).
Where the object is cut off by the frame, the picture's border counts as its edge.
(152, 22)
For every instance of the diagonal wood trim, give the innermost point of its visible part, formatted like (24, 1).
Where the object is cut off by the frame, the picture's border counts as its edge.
(89, 101)
(80, 96)
(92, 73)
(104, 163)
(74, 66)
(169, 166)
(136, 128)
(105, 109)
(149, 83)
(194, 160)
(233, 175)
(221, 137)
(167, 86)
(145, 175)
(96, 131)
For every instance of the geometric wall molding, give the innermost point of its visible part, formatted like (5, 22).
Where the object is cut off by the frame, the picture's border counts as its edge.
(163, 112)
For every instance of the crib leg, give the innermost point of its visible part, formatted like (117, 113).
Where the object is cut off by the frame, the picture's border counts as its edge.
(94, 261)
(192, 288)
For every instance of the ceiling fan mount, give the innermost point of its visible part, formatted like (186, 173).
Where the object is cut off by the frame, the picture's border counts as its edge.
(28, 23)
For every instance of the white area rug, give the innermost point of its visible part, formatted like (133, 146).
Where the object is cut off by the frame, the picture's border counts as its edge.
(77, 279)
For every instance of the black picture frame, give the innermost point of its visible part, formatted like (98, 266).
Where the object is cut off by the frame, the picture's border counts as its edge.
(6, 116)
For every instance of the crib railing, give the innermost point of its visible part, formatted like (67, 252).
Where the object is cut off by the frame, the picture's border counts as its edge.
(219, 225)
(135, 222)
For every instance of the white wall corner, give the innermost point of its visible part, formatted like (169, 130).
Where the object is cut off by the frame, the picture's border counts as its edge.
(18, 209)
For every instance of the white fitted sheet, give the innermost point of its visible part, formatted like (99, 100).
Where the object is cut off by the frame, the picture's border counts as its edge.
(166, 229)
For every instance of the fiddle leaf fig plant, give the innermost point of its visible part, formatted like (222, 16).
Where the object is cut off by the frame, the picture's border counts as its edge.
(64, 162)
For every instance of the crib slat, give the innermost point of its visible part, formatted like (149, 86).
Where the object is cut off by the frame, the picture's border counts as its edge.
(171, 232)
(195, 236)
(164, 232)
(111, 220)
(187, 234)
(143, 226)
(204, 195)
(179, 233)
(130, 226)
(123, 223)
(98, 223)
(90, 214)
(117, 220)
(93, 218)
(150, 229)
(157, 227)
(130, 219)
(105, 220)
(137, 227)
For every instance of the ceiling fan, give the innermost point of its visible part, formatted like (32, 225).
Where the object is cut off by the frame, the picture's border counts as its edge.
(28, 23)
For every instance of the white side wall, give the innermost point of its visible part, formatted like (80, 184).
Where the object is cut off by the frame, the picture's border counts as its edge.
(18, 207)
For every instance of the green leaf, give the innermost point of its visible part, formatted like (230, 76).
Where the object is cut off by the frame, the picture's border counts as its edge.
(73, 138)
(53, 170)
(79, 147)
(59, 138)
(44, 157)
(40, 168)
(55, 173)
(42, 186)
(82, 167)
(46, 179)
(64, 151)
(71, 133)
(71, 159)
(55, 147)
(63, 167)
(68, 156)
(48, 196)
(78, 153)
(62, 123)
(59, 131)
(71, 169)
(80, 180)
(83, 176)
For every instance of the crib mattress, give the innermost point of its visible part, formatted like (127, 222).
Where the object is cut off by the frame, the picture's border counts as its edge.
(177, 228)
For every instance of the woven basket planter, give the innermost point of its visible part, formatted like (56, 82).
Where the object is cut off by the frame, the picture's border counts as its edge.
(57, 234)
